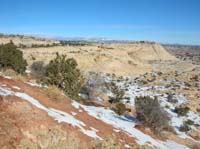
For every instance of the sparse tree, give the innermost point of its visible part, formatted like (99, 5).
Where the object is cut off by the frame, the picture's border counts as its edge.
(120, 108)
(182, 110)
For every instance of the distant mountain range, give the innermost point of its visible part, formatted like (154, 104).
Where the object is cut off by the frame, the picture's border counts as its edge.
(90, 39)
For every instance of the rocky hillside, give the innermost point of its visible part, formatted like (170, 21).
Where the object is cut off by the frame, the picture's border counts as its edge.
(32, 116)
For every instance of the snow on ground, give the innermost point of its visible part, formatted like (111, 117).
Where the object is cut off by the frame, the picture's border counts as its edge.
(7, 77)
(5, 91)
(171, 144)
(116, 130)
(58, 115)
(73, 113)
(33, 84)
(133, 90)
(28, 71)
(122, 123)
(126, 146)
(15, 87)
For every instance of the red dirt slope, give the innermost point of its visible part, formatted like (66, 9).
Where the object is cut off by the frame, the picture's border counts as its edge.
(23, 124)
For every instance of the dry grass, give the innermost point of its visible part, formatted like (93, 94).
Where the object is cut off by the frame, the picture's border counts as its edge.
(9, 132)
(108, 143)
(57, 138)
(14, 75)
(136, 146)
(111, 143)
(27, 144)
(52, 138)
(54, 93)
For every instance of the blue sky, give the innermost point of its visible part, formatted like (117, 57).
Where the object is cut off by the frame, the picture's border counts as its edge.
(167, 21)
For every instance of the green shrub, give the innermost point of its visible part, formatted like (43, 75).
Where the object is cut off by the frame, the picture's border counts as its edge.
(171, 99)
(120, 108)
(182, 110)
(189, 122)
(151, 114)
(185, 127)
(64, 74)
(119, 95)
(167, 106)
(143, 82)
(117, 92)
(33, 58)
(12, 58)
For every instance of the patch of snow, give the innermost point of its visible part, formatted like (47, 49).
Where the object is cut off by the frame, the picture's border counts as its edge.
(5, 92)
(28, 71)
(15, 87)
(181, 99)
(121, 123)
(116, 130)
(98, 99)
(126, 146)
(194, 117)
(94, 129)
(75, 105)
(84, 96)
(30, 100)
(133, 90)
(7, 77)
(33, 84)
(73, 113)
(58, 115)
(61, 116)
(171, 144)
(91, 133)
(177, 121)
